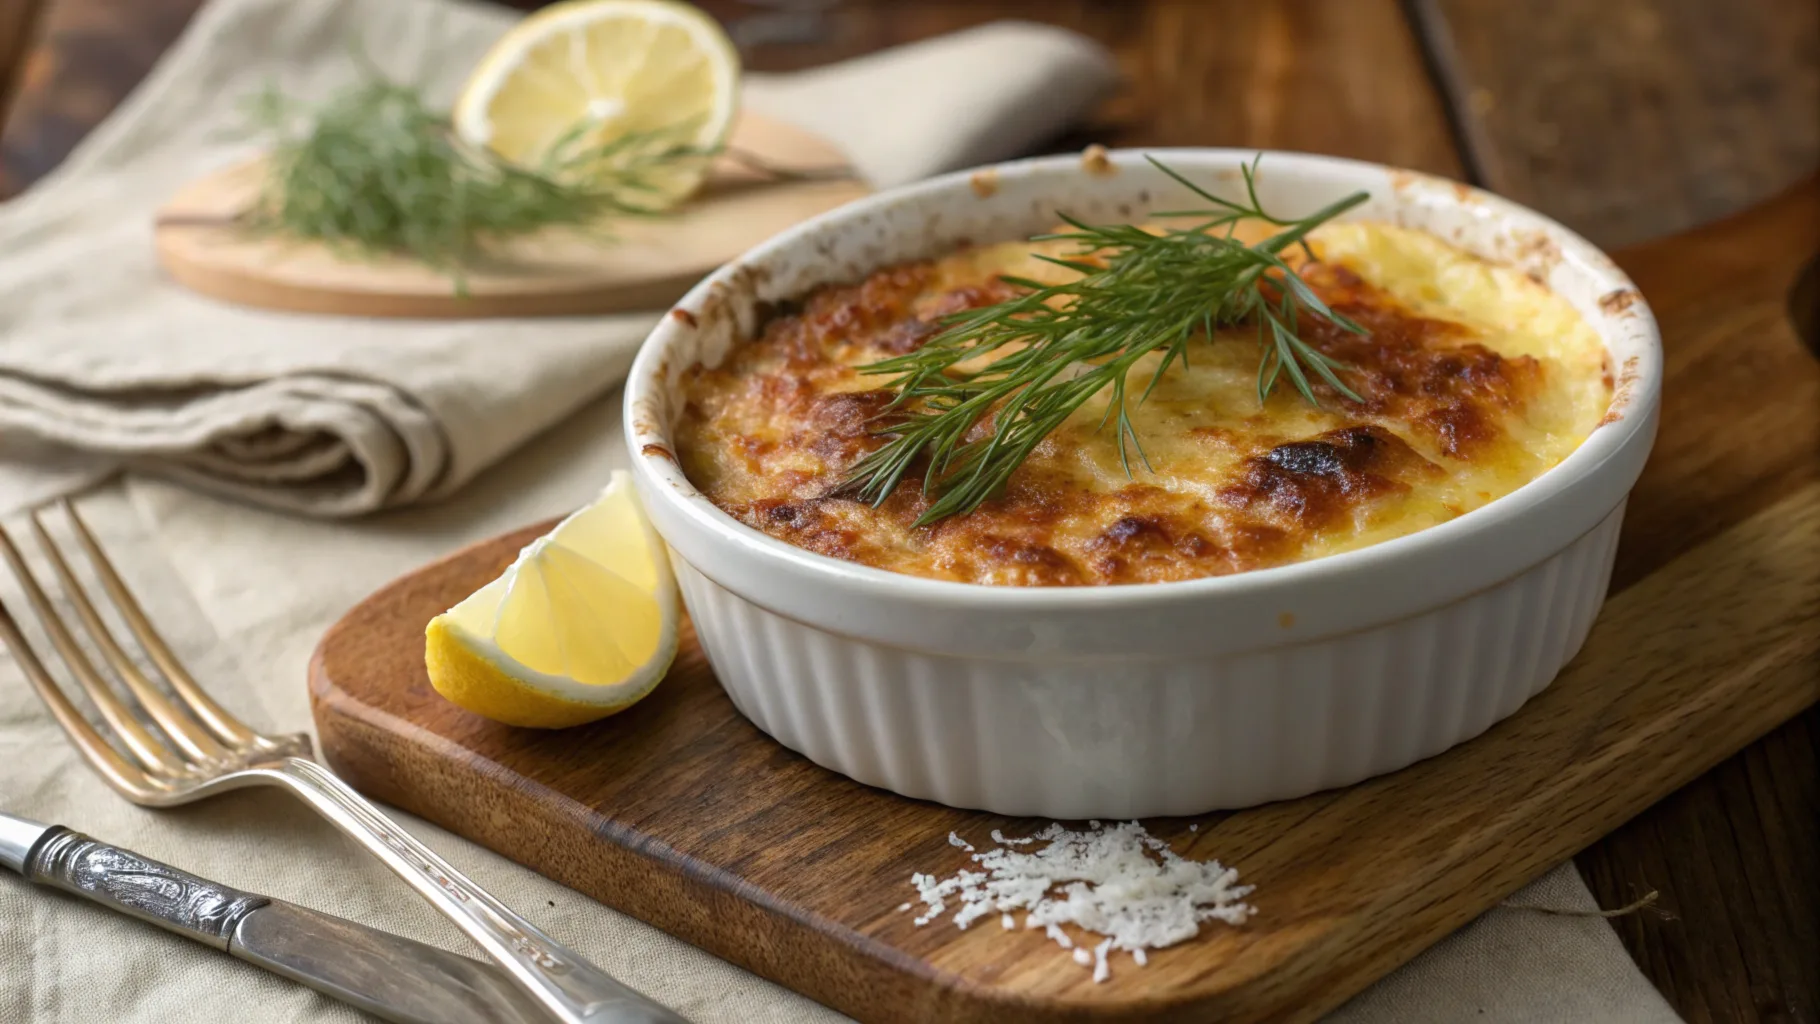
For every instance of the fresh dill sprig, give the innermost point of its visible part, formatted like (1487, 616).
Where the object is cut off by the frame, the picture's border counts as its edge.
(1139, 291)
(376, 171)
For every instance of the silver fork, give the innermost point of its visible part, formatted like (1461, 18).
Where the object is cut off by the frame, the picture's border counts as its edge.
(197, 749)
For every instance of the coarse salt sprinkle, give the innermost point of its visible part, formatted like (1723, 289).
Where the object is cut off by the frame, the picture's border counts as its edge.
(1117, 881)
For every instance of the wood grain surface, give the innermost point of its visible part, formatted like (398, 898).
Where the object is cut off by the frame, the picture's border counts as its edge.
(18, 34)
(1343, 77)
(87, 56)
(681, 813)
(1663, 114)
(1737, 934)
(684, 815)
(1631, 119)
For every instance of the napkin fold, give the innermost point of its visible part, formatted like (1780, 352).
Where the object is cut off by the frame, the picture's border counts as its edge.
(102, 356)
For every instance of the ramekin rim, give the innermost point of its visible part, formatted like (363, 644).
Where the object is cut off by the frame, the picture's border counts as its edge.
(650, 448)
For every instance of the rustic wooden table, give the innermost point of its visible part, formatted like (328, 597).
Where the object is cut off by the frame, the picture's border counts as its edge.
(1626, 119)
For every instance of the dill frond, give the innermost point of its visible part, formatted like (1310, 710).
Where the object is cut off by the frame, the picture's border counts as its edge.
(376, 171)
(1144, 292)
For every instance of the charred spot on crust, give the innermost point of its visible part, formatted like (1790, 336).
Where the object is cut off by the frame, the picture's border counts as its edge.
(1133, 530)
(1339, 459)
(806, 524)
(843, 424)
(780, 513)
(849, 413)
(1314, 482)
(911, 334)
(1155, 545)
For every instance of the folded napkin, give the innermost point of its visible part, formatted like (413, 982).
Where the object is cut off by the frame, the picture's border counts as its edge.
(100, 354)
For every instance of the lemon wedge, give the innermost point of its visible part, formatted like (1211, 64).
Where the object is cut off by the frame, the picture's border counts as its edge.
(608, 69)
(581, 625)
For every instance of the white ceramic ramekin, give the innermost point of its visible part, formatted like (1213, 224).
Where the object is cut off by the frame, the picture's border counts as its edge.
(1151, 699)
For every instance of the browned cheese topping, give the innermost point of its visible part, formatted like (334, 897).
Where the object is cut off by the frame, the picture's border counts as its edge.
(1473, 380)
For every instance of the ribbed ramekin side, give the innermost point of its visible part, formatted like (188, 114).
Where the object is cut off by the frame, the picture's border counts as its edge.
(1142, 737)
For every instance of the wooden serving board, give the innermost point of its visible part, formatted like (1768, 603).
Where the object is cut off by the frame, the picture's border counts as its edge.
(683, 814)
(633, 263)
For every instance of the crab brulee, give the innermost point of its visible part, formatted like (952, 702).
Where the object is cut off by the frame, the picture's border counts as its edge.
(1437, 383)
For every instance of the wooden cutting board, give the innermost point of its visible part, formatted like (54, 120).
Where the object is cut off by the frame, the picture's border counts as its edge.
(681, 813)
(635, 263)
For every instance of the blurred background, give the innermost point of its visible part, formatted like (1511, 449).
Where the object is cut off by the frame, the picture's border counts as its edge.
(1628, 120)
(1624, 118)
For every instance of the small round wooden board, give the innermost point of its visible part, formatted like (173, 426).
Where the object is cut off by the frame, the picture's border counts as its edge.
(638, 263)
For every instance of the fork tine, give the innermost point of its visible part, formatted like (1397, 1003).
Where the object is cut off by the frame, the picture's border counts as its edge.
(140, 743)
(115, 770)
(192, 739)
(230, 729)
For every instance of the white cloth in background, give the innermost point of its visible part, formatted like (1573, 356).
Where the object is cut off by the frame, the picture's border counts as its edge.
(244, 592)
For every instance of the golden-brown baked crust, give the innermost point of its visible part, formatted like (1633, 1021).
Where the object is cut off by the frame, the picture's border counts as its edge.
(1453, 413)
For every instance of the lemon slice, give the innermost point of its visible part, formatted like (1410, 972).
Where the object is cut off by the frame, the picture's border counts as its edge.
(608, 69)
(582, 625)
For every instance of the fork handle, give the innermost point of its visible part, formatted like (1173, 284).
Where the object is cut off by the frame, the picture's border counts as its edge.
(570, 988)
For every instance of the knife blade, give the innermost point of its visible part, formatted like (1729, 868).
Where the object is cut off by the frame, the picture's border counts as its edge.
(392, 977)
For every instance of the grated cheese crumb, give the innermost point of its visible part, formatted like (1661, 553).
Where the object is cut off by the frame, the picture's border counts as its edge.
(1116, 881)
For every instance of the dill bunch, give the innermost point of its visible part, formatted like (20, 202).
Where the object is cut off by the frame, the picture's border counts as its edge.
(1138, 292)
(376, 171)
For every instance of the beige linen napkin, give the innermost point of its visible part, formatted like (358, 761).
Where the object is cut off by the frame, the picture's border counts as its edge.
(340, 416)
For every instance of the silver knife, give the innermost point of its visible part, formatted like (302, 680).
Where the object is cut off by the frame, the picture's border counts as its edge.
(393, 977)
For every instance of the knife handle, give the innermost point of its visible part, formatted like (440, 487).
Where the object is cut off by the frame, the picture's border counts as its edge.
(171, 899)
(395, 978)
